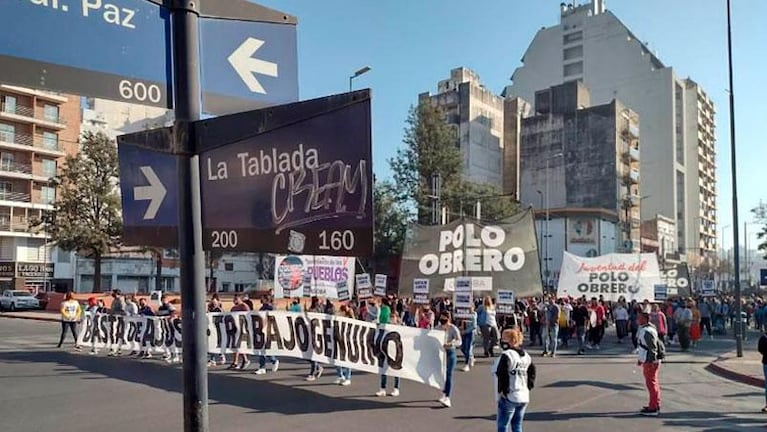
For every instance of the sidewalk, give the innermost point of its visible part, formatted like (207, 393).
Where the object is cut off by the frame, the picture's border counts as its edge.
(33, 315)
(745, 370)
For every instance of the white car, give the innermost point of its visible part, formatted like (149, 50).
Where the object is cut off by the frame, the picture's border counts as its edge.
(18, 299)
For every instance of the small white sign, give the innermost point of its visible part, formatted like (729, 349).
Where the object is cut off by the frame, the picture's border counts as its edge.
(421, 291)
(380, 288)
(364, 287)
(504, 301)
(463, 301)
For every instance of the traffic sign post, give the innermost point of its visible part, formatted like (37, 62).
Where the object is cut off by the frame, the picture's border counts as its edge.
(293, 178)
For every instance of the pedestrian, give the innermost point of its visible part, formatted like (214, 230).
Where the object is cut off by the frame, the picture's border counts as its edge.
(266, 306)
(581, 319)
(315, 369)
(490, 329)
(658, 319)
(71, 312)
(695, 330)
(426, 318)
(683, 320)
(551, 323)
(241, 360)
(565, 321)
(118, 303)
(391, 319)
(763, 352)
(468, 327)
(651, 352)
(514, 378)
(621, 315)
(344, 374)
(214, 306)
(452, 341)
(596, 321)
(706, 311)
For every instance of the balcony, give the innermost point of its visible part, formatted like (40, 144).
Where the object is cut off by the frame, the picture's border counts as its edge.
(27, 142)
(15, 169)
(15, 197)
(630, 154)
(21, 113)
(632, 177)
(17, 226)
(630, 132)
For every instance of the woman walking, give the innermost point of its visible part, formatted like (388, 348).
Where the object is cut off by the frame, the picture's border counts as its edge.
(490, 327)
(452, 341)
(514, 378)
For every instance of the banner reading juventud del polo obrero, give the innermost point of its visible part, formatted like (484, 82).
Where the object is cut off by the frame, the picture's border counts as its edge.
(612, 276)
(507, 252)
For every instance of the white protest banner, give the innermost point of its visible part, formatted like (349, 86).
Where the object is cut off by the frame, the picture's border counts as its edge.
(380, 289)
(397, 351)
(364, 287)
(708, 289)
(131, 333)
(478, 283)
(307, 284)
(504, 302)
(342, 288)
(325, 272)
(631, 276)
(421, 291)
(462, 298)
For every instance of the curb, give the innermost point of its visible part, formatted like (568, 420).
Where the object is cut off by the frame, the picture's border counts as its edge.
(30, 318)
(723, 372)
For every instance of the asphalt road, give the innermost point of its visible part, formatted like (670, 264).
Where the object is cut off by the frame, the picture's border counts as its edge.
(45, 389)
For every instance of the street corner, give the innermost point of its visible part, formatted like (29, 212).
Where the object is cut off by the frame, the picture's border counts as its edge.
(745, 370)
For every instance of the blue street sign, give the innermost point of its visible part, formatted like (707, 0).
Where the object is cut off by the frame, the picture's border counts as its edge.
(247, 65)
(763, 277)
(116, 49)
(149, 194)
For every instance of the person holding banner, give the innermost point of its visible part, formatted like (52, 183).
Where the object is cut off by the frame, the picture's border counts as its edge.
(452, 341)
(315, 369)
(239, 306)
(387, 319)
(266, 305)
(344, 373)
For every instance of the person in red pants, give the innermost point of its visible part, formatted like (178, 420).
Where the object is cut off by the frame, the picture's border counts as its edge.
(650, 351)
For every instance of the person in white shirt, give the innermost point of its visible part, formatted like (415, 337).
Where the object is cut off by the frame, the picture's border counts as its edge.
(621, 315)
(514, 374)
(71, 312)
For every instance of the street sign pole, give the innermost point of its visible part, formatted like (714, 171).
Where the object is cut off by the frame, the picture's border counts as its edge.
(188, 108)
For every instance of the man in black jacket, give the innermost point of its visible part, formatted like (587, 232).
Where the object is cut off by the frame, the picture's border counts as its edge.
(763, 352)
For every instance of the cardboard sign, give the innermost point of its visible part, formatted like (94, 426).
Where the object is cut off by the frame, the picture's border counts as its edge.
(504, 302)
(661, 292)
(380, 288)
(342, 288)
(364, 287)
(463, 301)
(421, 291)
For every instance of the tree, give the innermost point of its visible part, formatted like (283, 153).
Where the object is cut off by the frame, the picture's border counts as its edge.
(494, 205)
(391, 218)
(760, 214)
(431, 147)
(86, 215)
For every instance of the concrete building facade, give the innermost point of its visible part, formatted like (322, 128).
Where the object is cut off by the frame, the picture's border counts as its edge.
(593, 46)
(580, 163)
(477, 115)
(38, 130)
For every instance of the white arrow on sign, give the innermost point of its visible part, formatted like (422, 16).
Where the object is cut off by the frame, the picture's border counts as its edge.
(155, 192)
(246, 66)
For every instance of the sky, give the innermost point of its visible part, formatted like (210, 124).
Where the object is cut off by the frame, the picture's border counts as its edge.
(412, 44)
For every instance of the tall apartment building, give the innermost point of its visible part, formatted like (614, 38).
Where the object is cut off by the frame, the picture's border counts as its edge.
(580, 164)
(477, 114)
(592, 45)
(37, 131)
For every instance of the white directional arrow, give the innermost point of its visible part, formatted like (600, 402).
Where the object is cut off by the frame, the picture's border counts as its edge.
(246, 66)
(155, 192)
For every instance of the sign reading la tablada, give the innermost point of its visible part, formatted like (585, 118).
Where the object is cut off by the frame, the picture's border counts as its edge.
(303, 188)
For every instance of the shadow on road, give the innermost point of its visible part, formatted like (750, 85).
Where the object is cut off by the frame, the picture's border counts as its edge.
(703, 421)
(598, 384)
(257, 395)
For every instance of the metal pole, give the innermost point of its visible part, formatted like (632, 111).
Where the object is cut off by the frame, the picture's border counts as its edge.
(186, 83)
(546, 230)
(736, 239)
(350, 83)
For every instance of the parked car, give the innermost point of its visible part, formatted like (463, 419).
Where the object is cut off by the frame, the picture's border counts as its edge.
(18, 299)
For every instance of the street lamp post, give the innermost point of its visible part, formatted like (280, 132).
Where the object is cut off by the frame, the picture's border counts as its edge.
(547, 232)
(359, 72)
(725, 255)
(543, 232)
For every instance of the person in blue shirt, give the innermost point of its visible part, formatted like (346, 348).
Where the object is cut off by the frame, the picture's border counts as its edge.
(266, 306)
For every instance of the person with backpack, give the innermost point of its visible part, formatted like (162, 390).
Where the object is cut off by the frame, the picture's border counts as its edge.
(514, 374)
(650, 352)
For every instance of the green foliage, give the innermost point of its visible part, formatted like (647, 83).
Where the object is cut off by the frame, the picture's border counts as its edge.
(430, 148)
(760, 214)
(86, 215)
(391, 218)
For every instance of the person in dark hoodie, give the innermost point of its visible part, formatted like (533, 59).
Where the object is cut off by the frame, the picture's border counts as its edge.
(763, 352)
(515, 374)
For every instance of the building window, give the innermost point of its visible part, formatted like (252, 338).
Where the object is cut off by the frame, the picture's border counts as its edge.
(63, 257)
(572, 37)
(679, 130)
(51, 113)
(47, 195)
(229, 266)
(239, 287)
(9, 104)
(49, 168)
(226, 286)
(7, 133)
(50, 140)
(573, 52)
(573, 69)
(5, 189)
(6, 161)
